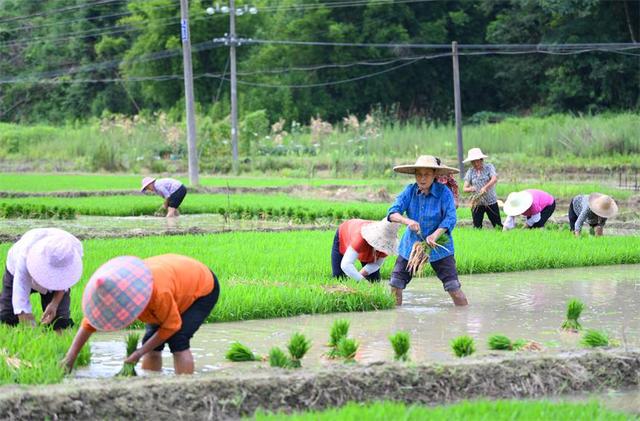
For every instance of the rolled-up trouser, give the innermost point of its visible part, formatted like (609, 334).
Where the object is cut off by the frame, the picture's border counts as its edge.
(336, 260)
(444, 268)
(7, 316)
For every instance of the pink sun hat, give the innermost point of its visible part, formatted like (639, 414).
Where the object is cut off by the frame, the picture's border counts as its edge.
(146, 181)
(55, 262)
(117, 293)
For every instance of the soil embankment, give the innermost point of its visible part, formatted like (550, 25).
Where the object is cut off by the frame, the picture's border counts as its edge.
(227, 397)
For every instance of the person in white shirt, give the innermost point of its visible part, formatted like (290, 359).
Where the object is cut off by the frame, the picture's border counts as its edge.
(47, 261)
(172, 191)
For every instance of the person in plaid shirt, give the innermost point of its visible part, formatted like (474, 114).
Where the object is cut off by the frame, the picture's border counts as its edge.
(171, 294)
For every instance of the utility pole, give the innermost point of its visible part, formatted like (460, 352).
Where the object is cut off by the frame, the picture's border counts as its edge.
(458, 107)
(234, 85)
(194, 179)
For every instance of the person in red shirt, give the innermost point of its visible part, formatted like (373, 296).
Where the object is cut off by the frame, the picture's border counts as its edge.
(370, 242)
(171, 294)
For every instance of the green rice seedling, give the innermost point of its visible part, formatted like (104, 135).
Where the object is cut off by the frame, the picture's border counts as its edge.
(419, 256)
(401, 345)
(347, 349)
(500, 343)
(518, 344)
(594, 338)
(129, 369)
(298, 346)
(277, 358)
(339, 330)
(239, 352)
(463, 346)
(574, 309)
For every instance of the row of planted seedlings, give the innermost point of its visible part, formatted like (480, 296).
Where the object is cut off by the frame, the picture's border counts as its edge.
(249, 266)
(35, 211)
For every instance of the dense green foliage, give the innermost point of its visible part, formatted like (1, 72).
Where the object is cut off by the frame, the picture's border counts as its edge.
(465, 411)
(23, 363)
(141, 39)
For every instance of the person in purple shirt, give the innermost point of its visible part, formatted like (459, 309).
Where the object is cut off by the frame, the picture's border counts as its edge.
(430, 212)
(536, 206)
(172, 191)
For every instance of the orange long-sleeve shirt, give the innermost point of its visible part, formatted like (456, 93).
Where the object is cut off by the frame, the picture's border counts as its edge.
(177, 282)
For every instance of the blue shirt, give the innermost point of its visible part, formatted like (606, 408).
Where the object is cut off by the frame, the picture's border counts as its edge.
(432, 211)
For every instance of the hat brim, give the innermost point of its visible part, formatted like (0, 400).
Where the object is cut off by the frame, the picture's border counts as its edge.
(51, 277)
(475, 158)
(603, 213)
(411, 169)
(515, 209)
(378, 242)
(144, 186)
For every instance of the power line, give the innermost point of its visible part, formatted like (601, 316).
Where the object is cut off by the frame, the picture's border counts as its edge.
(62, 9)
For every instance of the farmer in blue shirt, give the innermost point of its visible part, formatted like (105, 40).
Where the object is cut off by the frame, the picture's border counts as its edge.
(430, 212)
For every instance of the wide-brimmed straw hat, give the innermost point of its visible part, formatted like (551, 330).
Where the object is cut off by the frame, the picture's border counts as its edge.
(146, 181)
(517, 203)
(426, 161)
(473, 154)
(55, 262)
(602, 205)
(117, 293)
(382, 236)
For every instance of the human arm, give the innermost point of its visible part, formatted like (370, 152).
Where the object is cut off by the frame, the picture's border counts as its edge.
(52, 308)
(492, 182)
(81, 338)
(400, 206)
(509, 223)
(581, 219)
(532, 220)
(468, 187)
(20, 295)
(347, 264)
(370, 268)
(154, 341)
(410, 223)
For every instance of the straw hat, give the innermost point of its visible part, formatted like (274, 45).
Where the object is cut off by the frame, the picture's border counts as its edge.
(117, 293)
(55, 262)
(517, 203)
(426, 161)
(473, 154)
(146, 181)
(382, 236)
(602, 205)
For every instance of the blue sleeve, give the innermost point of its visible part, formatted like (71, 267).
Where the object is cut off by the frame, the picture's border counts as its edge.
(449, 208)
(401, 203)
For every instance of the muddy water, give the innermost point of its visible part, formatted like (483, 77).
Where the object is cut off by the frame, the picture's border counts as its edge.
(529, 305)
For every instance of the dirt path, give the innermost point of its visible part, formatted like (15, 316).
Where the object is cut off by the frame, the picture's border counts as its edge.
(231, 396)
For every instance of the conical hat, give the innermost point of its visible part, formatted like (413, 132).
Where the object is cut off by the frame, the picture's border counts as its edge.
(426, 161)
(382, 236)
(602, 205)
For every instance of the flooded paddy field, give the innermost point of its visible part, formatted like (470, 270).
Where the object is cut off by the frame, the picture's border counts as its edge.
(529, 305)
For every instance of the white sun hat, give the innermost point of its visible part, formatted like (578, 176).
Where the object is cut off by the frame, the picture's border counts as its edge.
(382, 236)
(426, 161)
(55, 262)
(602, 205)
(146, 181)
(474, 154)
(517, 203)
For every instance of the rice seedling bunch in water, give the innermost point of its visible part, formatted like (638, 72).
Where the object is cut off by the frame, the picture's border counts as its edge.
(401, 345)
(463, 346)
(594, 338)
(129, 369)
(574, 309)
(298, 347)
(339, 330)
(347, 349)
(239, 352)
(277, 358)
(419, 256)
(499, 343)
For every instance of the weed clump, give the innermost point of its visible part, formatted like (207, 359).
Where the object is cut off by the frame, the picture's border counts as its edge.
(574, 309)
(401, 344)
(594, 338)
(463, 346)
(347, 349)
(129, 369)
(239, 353)
(298, 347)
(339, 330)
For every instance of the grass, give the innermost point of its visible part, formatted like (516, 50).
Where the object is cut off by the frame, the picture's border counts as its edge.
(401, 344)
(574, 310)
(23, 363)
(254, 284)
(594, 338)
(503, 410)
(463, 346)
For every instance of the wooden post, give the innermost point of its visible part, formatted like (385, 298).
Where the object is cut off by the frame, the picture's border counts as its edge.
(458, 107)
(234, 86)
(188, 92)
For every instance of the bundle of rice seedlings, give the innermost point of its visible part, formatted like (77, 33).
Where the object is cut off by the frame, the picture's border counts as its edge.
(298, 347)
(520, 344)
(475, 200)
(419, 256)
(347, 349)
(277, 358)
(463, 346)
(339, 330)
(238, 352)
(500, 343)
(594, 338)
(129, 369)
(574, 309)
(401, 344)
